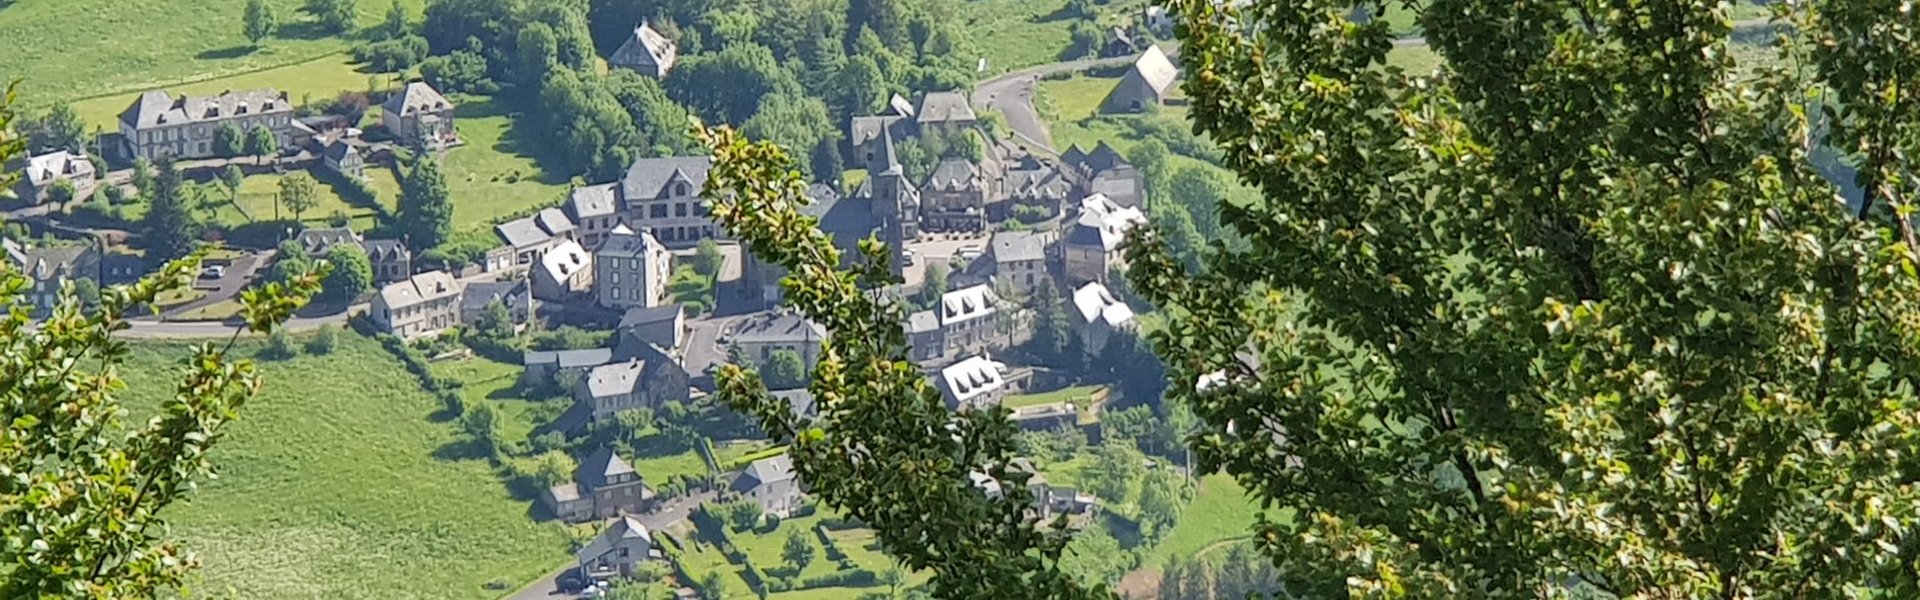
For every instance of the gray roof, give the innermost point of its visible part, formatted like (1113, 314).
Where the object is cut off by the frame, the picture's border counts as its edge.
(568, 359)
(385, 250)
(868, 129)
(317, 240)
(338, 151)
(1018, 246)
(624, 243)
(800, 400)
(44, 263)
(534, 230)
(157, 108)
(481, 293)
(431, 285)
(418, 97)
(649, 177)
(646, 48)
(955, 174)
(44, 169)
(616, 379)
(599, 467)
(627, 527)
(593, 201)
(565, 492)
(944, 107)
(772, 469)
(780, 328)
(638, 316)
(922, 322)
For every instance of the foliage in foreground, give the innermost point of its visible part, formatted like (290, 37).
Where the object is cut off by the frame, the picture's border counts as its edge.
(80, 490)
(884, 448)
(1575, 315)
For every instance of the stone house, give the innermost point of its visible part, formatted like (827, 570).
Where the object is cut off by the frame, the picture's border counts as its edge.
(423, 305)
(664, 325)
(1099, 316)
(1091, 248)
(967, 319)
(48, 268)
(1020, 260)
(896, 120)
(1146, 84)
(955, 197)
(660, 194)
(1103, 171)
(976, 382)
(631, 270)
(646, 52)
(419, 113)
(43, 171)
(603, 486)
(544, 366)
(595, 211)
(945, 111)
(759, 337)
(770, 483)
(924, 341)
(343, 158)
(514, 295)
(1032, 183)
(641, 376)
(391, 260)
(615, 552)
(1119, 42)
(563, 272)
(532, 236)
(157, 124)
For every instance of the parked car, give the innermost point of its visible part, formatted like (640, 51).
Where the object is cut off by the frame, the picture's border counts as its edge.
(213, 272)
(906, 258)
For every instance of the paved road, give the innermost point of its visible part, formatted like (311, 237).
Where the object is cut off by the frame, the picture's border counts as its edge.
(676, 510)
(1012, 95)
(154, 329)
(239, 273)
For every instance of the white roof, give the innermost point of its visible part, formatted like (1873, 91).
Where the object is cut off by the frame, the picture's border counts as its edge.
(973, 378)
(966, 304)
(1096, 304)
(431, 285)
(1102, 216)
(45, 168)
(1156, 70)
(566, 259)
(617, 379)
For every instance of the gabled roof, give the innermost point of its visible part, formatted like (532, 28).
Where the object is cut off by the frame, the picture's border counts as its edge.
(1103, 223)
(416, 98)
(317, 240)
(338, 151)
(649, 177)
(425, 287)
(780, 328)
(1018, 246)
(534, 230)
(1154, 70)
(922, 322)
(955, 174)
(967, 304)
(773, 469)
(646, 50)
(593, 201)
(944, 107)
(899, 106)
(638, 316)
(42, 170)
(385, 250)
(565, 492)
(601, 466)
(568, 359)
(481, 293)
(564, 260)
(46, 263)
(156, 108)
(617, 379)
(1095, 304)
(972, 378)
(622, 242)
(626, 528)
(867, 129)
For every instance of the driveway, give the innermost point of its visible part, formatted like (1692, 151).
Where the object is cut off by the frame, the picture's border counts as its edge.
(238, 274)
(148, 328)
(672, 513)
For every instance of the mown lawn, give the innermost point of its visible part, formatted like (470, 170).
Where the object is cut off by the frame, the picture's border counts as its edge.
(699, 558)
(333, 483)
(69, 50)
(1078, 97)
(488, 177)
(258, 196)
(322, 77)
(1220, 511)
(1078, 395)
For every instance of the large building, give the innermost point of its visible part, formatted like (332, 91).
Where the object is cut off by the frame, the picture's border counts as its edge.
(1020, 260)
(642, 375)
(1147, 83)
(418, 113)
(661, 194)
(563, 272)
(968, 318)
(49, 268)
(631, 270)
(974, 383)
(422, 305)
(159, 125)
(1091, 249)
(758, 338)
(955, 197)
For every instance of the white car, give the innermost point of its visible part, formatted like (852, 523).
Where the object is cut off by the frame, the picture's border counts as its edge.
(906, 258)
(970, 252)
(213, 272)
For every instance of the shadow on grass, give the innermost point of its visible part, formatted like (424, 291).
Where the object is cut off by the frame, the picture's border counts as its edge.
(444, 415)
(225, 53)
(465, 448)
(303, 30)
(1065, 12)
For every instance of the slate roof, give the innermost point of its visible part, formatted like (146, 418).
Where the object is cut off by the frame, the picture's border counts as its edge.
(1103, 223)
(481, 293)
(385, 250)
(156, 108)
(45, 263)
(867, 129)
(962, 305)
(638, 316)
(972, 378)
(955, 174)
(338, 151)
(780, 328)
(800, 400)
(601, 466)
(421, 288)
(42, 170)
(622, 242)
(317, 240)
(627, 527)
(649, 177)
(565, 492)
(1018, 246)
(593, 201)
(772, 469)
(646, 50)
(922, 322)
(615, 379)
(568, 359)
(944, 107)
(416, 98)
(534, 230)
(1097, 305)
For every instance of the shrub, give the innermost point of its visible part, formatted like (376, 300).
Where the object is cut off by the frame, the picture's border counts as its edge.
(324, 340)
(850, 578)
(279, 346)
(1031, 214)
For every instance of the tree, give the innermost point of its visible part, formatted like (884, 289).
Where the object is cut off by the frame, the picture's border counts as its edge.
(1151, 159)
(798, 551)
(259, 21)
(785, 371)
(712, 587)
(933, 283)
(1518, 279)
(553, 467)
(1175, 226)
(1117, 466)
(352, 274)
(261, 143)
(297, 193)
(730, 86)
(392, 56)
(872, 458)
(495, 321)
(143, 182)
(395, 26)
(861, 86)
(1163, 495)
(1202, 191)
(324, 340)
(1052, 331)
(426, 215)
(461, 72)
(336, 16)
(707, 258)
(793, 122)
(279, 346)
(67, 430)
(61, 192)
(1083, 41)
(481, 423)
(169, 229)
(59, 129)
(231, 178)
(826, 165)
(87, 291)
(539, 53)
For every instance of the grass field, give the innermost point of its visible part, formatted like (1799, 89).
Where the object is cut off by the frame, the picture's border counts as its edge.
(1014, 34)
(1220, 511)
(1078, 395)
(699, 558)
(322, 77)
(258, 193)
(487, 177)
(68, 50)
(332, 486)
(1078, 97)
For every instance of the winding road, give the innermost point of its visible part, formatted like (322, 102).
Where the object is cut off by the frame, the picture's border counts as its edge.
(1012, 95)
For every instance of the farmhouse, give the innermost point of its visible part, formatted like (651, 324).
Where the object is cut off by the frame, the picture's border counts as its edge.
(646, 52)
(616, 550)
(419, 114)
(1147, 83)
(770, 483)
(658, 194)
(514, 295)
(604, 485)
(159, 125)
(423, 305)
(392, 261)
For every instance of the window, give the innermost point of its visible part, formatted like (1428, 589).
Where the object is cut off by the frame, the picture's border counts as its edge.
(679, 189)
(679, 209)
(616, 279)
(616, 293)
(658, 211)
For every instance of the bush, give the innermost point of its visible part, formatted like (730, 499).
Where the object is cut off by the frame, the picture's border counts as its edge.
(1031, 214)
(279, 346)
(324, 340)
(571, 338)
(851, 578)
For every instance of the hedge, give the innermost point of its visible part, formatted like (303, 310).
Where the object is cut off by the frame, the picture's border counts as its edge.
(446, 390)
(852, 578)
(832, 549)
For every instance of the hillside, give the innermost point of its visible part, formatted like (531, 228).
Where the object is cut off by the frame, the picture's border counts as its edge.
(336, 482)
